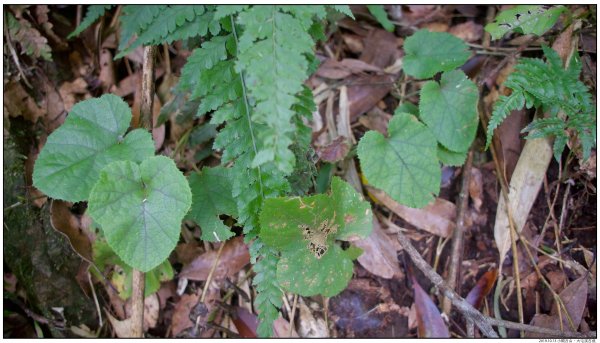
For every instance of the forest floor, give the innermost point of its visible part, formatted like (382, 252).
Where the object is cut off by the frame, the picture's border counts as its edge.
(557, 246)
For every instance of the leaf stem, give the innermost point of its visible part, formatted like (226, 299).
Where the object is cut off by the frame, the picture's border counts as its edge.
(247, 107)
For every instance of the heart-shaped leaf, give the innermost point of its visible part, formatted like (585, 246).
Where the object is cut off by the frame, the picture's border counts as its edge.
(428, 53)
(211, 196)
(140, 208)
(449, 109)
(405, 164)
(304, 231)
(91, 137)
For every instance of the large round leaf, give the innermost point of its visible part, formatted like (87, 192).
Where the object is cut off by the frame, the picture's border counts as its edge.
(428, 53)
(405, 164)
(140, 208)
(304, 274)
(356, 217)
(90, 138)
(449, 109)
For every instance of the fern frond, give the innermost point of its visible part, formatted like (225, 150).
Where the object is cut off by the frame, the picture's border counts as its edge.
(135, 19)
(172, 23)
(268, 300)
(91, 15)
(502, 109)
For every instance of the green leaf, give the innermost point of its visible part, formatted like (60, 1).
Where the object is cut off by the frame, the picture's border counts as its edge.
(409, 108)
(525, 19)
(136, 19)
(405, 164)
(91, 15)
(449, 109)
(140, 208)
(378, 11)
(304, 274)
(304, 230)
(90, 138)
(428, 53)
(344, 9)
(451, 158)
(122, 274)
(211, 196)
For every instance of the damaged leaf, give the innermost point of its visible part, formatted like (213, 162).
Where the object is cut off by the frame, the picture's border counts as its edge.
(525, 19)
(304, 230)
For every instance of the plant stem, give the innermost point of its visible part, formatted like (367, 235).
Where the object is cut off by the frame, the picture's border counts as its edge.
(137, 304)
(137, 295)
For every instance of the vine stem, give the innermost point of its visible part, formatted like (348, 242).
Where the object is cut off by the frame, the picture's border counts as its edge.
(138, 285)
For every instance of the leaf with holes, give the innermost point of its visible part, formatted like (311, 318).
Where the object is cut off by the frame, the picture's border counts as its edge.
(405, 164)
(449, 109)
(525, 19)
(304, 231)
(211, 196)
(140, 208)
(92, 136)
(428, 53)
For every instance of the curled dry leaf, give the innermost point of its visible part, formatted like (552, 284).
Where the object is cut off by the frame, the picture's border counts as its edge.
(335, 150)
(376, 119)
(482, 288)
(73, 91)
(354, 43)
(437, 218)
(18, 102)
(187, 252)
(75, 227)
(379, 254)
(429, 320)
(245, 322)
(233, 258)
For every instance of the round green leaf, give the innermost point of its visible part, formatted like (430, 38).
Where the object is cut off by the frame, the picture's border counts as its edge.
(211, 197)
(302, 273)
(405, 164)
(140, 208)
(90, 138)
(428, 53)
(449, 109)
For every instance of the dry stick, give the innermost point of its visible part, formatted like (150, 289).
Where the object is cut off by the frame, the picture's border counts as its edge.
(484, 323)
(458, 233)
(212, 271)
(13, 53)
(137, 296)
(292, 314)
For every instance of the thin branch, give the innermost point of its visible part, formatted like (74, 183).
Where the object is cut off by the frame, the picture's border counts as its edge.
(147, 87)
(484, 323)
(459, 231)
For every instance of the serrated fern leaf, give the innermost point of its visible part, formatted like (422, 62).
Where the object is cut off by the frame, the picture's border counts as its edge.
(135, 19)
(172, 23)
(268, 300)
(502, 109)
(91, 15)
(548, 85)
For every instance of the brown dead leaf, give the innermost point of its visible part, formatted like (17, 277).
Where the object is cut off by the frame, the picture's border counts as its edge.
(437, 218)
(187, 252)
(52, 103)
(245, 322)
(166, 291)
(380, 48)
(334, 151)
(364, 92)
(476, 188)
(181, 314)
(354, 43)
(310, 326)
(72, 92)
(482, 288)
(19, 103)
(429, 320)
(376, 119)
(575, 299)
(41, 15)
(436, 26)
(379, 254)
(233, 258)
(107, 69)
(122, 328)
(281, 329)
(75, 227)
(468, 31)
